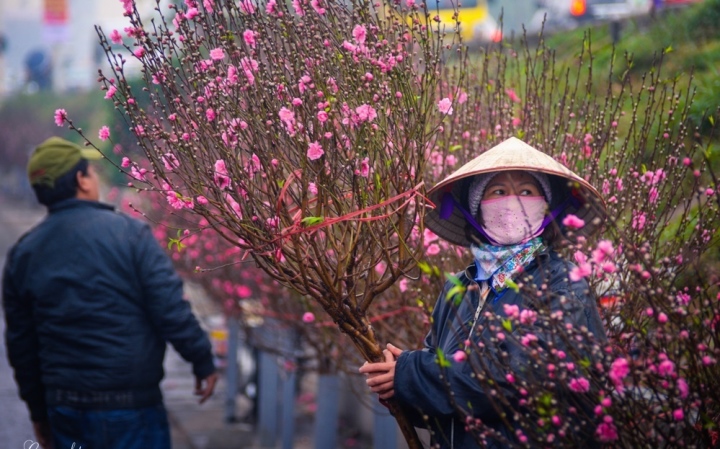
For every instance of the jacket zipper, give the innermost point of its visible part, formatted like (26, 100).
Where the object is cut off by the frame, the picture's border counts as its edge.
(482, 299)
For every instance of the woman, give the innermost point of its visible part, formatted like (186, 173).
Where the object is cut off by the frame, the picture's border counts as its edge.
(505, 205)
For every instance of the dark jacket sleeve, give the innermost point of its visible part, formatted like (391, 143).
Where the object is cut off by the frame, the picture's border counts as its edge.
(421, 383)
(22, 344)
(169, 312)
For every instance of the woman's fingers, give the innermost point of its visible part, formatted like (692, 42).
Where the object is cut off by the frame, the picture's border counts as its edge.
(394, 350)
(387, 395)
(380, 379)
(382, 388)
(389, 357)
(374, 367)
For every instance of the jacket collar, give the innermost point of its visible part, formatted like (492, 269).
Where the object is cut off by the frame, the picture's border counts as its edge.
(74, 203)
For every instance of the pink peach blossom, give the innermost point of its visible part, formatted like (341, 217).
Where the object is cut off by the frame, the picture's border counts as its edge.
(445, 106)
(683, 388)
(191, 13)
(579, 272)
(60, 116)
(359, 34)
(528, 316)
(573, 222)
(527, 339)
(177, 201)
(513, 96)
(365, 112)
(104, 133)
(297, 6)
(249, 38)
(115, 37)
(606, 432)
(170, 161)
(364, 170)
(618, 371)
(221, 175)
(511, 310)
(315, 151)
(243, 291)
(217, 54)
(403, 285)
(317, 7)
(110, 92)
(459, 356)
(579, 385)
(666, 368)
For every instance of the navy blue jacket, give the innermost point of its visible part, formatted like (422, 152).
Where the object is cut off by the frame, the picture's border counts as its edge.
(422, 386)
(90, 300)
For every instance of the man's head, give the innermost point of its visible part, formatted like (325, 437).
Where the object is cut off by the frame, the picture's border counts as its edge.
(59, 170)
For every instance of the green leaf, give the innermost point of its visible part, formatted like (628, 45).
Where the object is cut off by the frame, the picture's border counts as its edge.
(425, 267)
(512, 285)
(507, 325)
(454, 279)
(456, 294)
(585, 362)
(455, 148)
(546, 399)
(668, 49)
(711, 119)
(643, 169)
(441, 359)
(311, 221)
(176, 242)
(520, 133)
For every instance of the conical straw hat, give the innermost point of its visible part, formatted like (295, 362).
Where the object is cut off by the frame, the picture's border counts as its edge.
(514, 154)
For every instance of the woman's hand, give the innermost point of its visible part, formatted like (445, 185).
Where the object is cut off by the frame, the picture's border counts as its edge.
(381, 375)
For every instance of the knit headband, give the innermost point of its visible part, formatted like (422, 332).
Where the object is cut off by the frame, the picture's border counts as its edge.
(481, 181)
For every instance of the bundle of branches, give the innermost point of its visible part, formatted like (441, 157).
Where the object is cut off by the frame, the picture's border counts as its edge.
(298, 131)
(249, 295)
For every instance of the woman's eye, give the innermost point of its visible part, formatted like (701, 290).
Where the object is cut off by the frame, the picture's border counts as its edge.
(498, 192)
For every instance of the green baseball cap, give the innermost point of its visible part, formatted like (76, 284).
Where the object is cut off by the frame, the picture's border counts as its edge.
(55, 157)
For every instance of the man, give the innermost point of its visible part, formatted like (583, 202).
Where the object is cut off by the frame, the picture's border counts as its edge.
(90, 301)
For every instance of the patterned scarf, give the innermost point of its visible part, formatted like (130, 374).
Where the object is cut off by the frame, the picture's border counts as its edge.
(503, 262)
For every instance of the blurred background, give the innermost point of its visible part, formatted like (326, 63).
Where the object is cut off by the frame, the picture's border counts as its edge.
(49, 59)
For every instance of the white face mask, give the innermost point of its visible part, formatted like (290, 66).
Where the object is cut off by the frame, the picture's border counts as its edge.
(513, 219)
